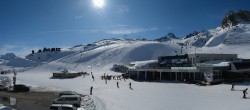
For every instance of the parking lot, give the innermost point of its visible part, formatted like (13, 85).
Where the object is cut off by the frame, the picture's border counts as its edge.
(29, 100)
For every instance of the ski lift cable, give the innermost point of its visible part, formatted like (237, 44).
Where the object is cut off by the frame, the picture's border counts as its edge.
(79, 58)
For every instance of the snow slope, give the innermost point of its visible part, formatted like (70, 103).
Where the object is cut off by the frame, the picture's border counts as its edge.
(238, 34)
(100, 58)
(105, 56)
(10, 60)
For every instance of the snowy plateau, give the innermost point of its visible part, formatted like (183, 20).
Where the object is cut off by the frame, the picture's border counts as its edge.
(99, 57)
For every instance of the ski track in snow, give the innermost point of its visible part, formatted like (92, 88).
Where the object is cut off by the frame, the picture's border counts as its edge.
(100, 105)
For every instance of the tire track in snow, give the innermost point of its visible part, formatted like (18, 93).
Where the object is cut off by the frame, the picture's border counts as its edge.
(99, 103)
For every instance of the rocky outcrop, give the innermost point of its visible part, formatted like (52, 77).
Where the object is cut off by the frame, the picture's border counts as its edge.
(168, 37)
(232, 18)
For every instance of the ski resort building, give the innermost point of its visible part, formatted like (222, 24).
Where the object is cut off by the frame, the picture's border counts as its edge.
(239, 71)
(210, 68)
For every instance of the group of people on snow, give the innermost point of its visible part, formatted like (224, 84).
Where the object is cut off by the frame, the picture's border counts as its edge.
(109, 77)
(244, 91)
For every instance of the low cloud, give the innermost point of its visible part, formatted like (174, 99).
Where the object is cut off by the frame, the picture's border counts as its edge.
(121, 9)
(115, 30)
(128, 30)
(78, 17)
(6, 49)
(60, 31)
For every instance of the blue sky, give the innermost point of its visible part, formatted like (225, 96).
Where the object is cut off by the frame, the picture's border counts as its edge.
(33, 24)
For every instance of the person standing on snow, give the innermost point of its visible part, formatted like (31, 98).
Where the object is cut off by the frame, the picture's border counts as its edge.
(93, 77)
(117, 84)
(244, 93)
(130, 85)
(14, 80)
(233, 84)
(91, 88)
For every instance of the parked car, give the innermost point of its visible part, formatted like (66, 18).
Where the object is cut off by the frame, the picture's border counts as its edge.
(69, 99)
(64, 107)
(5, 108)
(21, 88)
(68, 93)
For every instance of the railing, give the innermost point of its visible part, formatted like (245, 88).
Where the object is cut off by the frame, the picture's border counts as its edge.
(183, 68)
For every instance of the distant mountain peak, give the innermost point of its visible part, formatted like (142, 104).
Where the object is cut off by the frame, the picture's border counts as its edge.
(8, 56)
(192, 34)
(232, 18)
(168, 37)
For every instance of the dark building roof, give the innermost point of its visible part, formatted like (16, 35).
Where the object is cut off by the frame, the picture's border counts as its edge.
(173, 57)
(174, 61)
(242, 65)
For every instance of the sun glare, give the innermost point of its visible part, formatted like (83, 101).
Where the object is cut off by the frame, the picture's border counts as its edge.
(98, 3)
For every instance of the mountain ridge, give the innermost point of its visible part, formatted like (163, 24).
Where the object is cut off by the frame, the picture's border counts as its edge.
(128, 50)
(232, 18)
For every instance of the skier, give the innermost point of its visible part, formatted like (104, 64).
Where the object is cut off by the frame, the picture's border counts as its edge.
(117, 84)
(232, 86)
(130, 85)
(14, 72)
(83, 74)
(244, 93)
(93, 77)
(91, 88)
(14, 80)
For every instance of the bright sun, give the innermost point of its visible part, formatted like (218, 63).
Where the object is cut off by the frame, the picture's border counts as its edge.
(98, 3)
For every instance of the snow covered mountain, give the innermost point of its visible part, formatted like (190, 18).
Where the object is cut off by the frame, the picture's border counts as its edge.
(236, 35)
(104, 54)
(235, 30)
(11, 60)
(124, 51)
(168, 37)
(232, 18)
(8, 56)
(99, 57)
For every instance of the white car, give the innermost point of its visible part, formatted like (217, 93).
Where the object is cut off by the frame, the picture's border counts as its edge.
(75, 100)
(64, 107)
(5, 108)
(69, 93)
